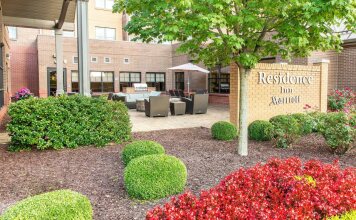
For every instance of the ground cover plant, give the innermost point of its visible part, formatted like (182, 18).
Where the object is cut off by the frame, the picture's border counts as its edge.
(154, 177)
(260, 130)
(279, 189)
(224, 130)
(59, 205)
(67, 122)
(139, 149)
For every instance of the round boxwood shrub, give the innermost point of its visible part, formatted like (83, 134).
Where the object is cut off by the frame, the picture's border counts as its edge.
(260, 130)
(139, 149)
(224, 131)
(59, 205)
(155, 176)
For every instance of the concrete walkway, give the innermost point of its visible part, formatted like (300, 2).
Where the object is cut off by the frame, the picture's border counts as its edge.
(142, 123)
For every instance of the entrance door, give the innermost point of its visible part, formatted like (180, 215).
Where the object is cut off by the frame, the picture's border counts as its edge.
(52, 81)
(179, 80)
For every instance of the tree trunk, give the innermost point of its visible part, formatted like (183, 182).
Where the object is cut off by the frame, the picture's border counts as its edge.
(243, 117)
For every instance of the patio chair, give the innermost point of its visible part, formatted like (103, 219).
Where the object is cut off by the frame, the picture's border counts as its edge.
(172, 93)
(198, 104)
(176, 92)
(181, 93)
(110, 96)
(157, 106)
(118, 98)
(201, 91)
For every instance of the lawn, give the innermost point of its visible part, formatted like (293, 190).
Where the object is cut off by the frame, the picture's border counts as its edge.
(97, 172)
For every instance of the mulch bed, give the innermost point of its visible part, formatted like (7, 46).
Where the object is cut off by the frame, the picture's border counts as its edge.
(98, 172)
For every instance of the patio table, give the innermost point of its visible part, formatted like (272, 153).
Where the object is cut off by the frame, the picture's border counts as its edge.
(177, 108)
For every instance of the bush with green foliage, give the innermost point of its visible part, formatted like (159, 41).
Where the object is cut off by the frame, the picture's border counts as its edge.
(59, 205)
(67, 121)
(260, 130)
(318, 118)
(139, 149)
(287, 130)
(224, 131)
(155, 176)
(347, 216)
(353, 120)
(306, 122)
(337, 131)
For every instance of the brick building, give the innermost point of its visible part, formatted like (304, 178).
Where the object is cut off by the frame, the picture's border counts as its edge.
(115, 62)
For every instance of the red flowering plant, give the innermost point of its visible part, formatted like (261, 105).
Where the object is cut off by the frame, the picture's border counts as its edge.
(280, 189)
(342, 100)
(23, 93)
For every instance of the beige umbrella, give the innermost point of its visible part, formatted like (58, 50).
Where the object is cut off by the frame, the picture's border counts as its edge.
(190, 68)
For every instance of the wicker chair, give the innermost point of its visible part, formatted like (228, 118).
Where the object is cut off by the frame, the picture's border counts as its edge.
(157, 106)
(198, 104)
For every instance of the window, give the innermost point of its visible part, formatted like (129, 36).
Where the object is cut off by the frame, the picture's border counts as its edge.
(104, 4)
(102, 81)
(68, 33)
(75, 81)
(219, 83)
(179, 80)
(127, 79)
(157, 80)
(103, 33)
(107, 60)
(12, 32)
(75, 60)
(126, 61)
(94, 59)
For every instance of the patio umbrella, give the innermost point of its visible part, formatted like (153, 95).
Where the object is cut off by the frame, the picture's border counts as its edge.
(189, 67)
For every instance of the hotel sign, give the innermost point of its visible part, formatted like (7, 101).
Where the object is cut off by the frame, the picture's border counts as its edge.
(285, 80)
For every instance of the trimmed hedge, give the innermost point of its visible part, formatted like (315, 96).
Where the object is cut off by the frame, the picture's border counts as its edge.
(154, 177)
(59, 205)
(260, 130)
(224, 131)
(139, 149)
(67, 121)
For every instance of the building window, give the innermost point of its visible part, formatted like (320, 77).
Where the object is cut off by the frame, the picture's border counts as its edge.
(12, 33)
(104, 4)
(75, 81)
(127, 79)
(68, 33)
(102, 81)
(157, 80)
(219, 83)
(104, 33)
(75, 60)
(94, 59)
(179, 76)
(107, 60)
(126, 60)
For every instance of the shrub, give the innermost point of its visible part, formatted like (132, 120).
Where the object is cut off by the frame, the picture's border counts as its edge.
(141, 148)
(318, 118)
(224, 130)
(341, 100)
(260, 130)
(287, 130)
(154, 177)
(270, 191)
(347, 216)
(336, 129)
(67, 121)
(23, 93)
(59, 205)
(353, 120)
(306, 122)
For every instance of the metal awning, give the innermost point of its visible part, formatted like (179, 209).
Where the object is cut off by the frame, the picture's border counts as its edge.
(43, 14)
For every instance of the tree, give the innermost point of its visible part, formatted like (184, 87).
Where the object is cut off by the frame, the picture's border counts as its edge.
(244, 31)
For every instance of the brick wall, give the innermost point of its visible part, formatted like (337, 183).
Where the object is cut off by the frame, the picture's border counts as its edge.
(347, 68)
(262, 106)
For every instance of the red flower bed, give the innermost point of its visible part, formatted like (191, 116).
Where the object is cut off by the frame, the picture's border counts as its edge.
(280, 189)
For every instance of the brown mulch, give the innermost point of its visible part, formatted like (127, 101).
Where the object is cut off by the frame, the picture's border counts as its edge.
(97, 172)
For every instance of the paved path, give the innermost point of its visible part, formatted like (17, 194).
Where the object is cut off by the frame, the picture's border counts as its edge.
(142, 123)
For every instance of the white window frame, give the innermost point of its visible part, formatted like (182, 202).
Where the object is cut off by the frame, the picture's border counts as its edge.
(8, 30)
(68, 34)
(105, 33)
(107, 61)
(94, 61)
(74, 60)
(105, 5)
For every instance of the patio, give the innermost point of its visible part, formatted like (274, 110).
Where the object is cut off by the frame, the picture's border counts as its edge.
(142, 123)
